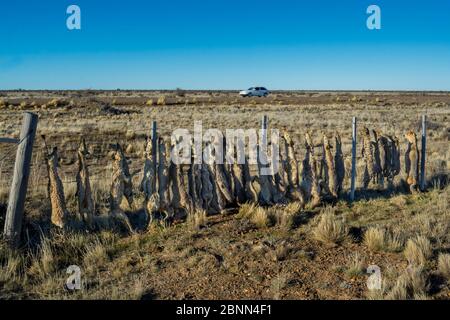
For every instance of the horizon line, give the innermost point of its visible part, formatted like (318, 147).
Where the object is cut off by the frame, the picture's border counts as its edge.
(237, 89)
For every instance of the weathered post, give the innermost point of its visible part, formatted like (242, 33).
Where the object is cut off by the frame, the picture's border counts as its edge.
(154, 151)
(17, 195)
(424, 153)
(263, 144)
(352, 184)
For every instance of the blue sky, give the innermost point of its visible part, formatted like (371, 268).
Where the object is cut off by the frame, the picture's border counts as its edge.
(225, 44)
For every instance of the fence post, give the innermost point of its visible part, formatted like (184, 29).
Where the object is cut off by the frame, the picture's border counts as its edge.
(262, 150)
(352, 185)
(154, 151)
(264, 125)
(17, 195)
(424, 152)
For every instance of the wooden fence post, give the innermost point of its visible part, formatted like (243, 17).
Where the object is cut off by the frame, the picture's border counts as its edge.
(424, 153)
(352, 185)
(17, 195)
(154, 151)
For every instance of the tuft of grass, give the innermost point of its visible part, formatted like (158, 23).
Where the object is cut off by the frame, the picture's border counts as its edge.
(444, 265)
(330, 229)
(418, 250)
(412, 284)
(138, 290)
(262, 218)
(47, 257)
(161, 101)
(375, 239)
(293, 208)
(95, 256)
(399, 201)
(287, 216)
(54, 102)
(355, 266)
(395, 243)
(259, 216)
(44, 260)
(197, 220)
(379, 239)
(247, 210)
(12, 264)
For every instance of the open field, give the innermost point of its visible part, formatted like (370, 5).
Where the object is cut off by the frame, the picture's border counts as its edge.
(276, 252)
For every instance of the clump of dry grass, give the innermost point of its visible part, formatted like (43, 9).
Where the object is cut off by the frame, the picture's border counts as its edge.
(444, 265)
(259, 216)
(286, 216)
(197, 220)
(355, 266)
(60, 250)
(12, 264)
(378, 239)
(293, 208)
(43, 262)
(95, 256)
(47, 257)
(54, 102)
(399, 201)
(247, 210)
(262, 218)
(418, 250)
(375, 239)
(412, 284)
(267, 217)
(161, 101)
(330, 229)
(150, 102)
(137, 290)
(394, 243)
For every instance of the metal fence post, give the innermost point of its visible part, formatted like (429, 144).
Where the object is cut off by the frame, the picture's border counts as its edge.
(154, 151)
(262, 146)
(424, 153)
(352, 185)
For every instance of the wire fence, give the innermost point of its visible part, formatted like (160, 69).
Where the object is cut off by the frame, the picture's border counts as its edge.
(133, 140)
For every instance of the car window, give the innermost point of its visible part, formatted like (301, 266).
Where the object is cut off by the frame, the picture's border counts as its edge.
(251, 88)
(262, 88)
(257, 88)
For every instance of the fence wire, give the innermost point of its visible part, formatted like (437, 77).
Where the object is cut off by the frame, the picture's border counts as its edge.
(99, 137)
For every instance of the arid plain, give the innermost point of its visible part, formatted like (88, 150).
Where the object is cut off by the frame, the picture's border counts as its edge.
(284, 251)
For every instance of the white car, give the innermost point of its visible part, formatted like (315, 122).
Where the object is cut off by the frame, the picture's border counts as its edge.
(254, 92)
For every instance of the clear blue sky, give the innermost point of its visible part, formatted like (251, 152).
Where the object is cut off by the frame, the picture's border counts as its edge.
(225, 44)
